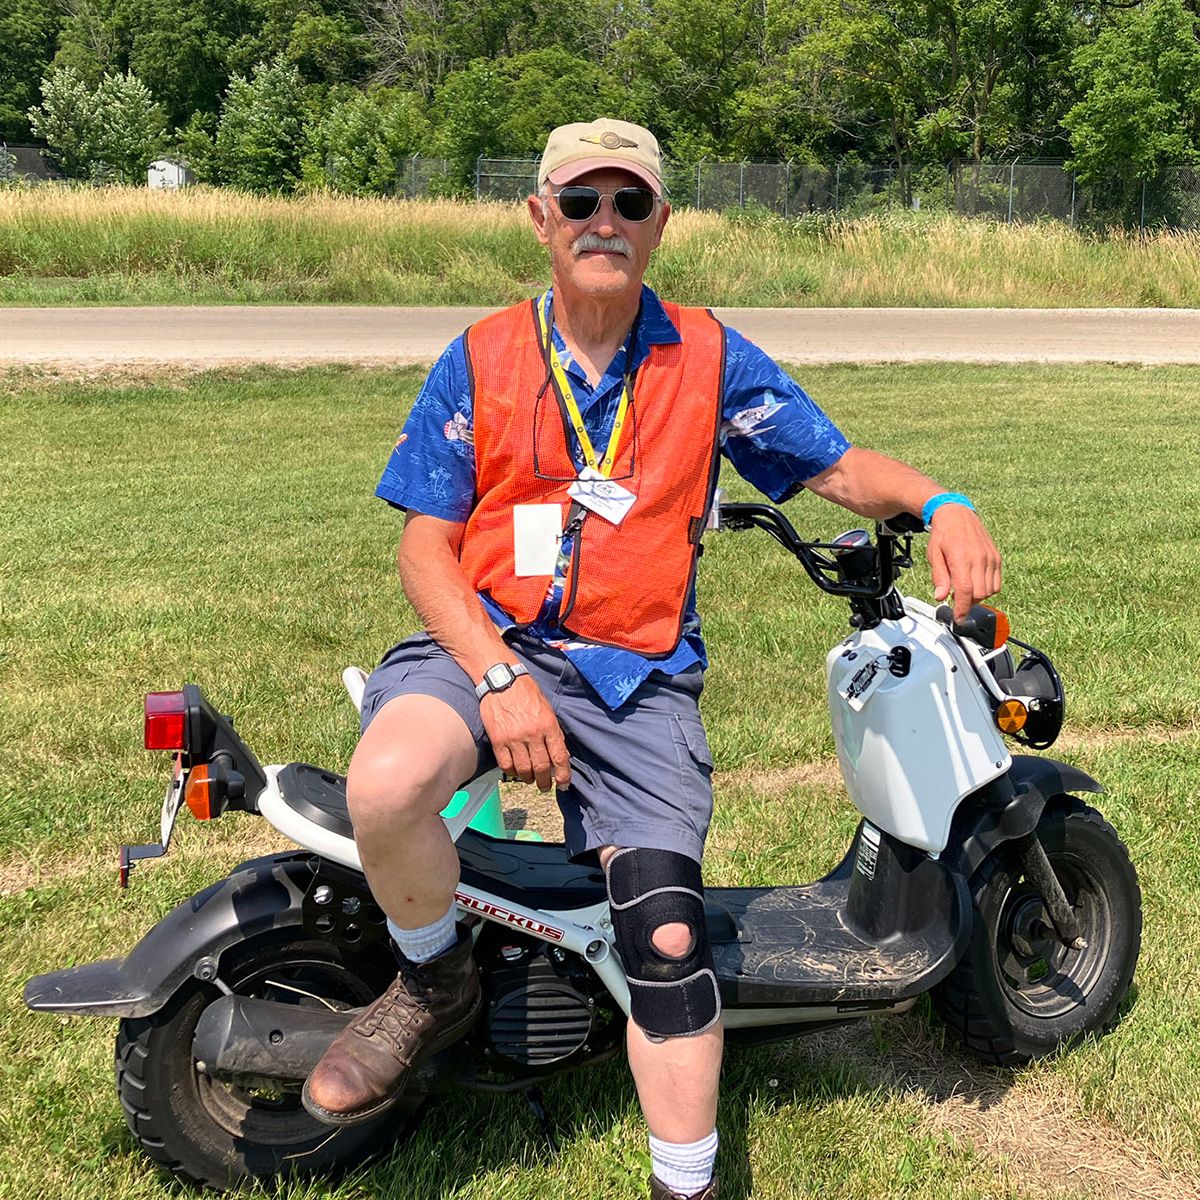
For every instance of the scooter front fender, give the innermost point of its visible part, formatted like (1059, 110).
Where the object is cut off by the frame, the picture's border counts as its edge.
(259, 896)
(1009, 807)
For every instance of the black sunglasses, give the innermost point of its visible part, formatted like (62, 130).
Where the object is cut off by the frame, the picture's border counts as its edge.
(634, 204)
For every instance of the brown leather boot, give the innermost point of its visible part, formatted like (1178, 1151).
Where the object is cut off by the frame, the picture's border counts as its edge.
(660, 1191)
(428, 1007)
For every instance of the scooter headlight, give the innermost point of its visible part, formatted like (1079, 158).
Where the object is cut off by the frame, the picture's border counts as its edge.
(1036, 683)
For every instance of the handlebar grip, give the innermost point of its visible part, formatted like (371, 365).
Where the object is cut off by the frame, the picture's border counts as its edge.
(983, 625)
(902, 523)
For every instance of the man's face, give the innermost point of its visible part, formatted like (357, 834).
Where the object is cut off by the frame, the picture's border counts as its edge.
(620, 264)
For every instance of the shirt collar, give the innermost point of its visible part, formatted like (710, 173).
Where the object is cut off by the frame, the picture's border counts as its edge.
(654, 328)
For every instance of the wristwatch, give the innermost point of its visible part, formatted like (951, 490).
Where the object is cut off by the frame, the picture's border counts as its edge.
(499, 678)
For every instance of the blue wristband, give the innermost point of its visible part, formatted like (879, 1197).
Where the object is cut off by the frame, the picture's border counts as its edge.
(935, 502)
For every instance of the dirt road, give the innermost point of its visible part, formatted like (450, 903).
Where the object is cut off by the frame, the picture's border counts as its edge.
(87, 337)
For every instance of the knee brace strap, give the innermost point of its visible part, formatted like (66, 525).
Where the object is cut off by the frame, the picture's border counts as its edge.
(669, 995)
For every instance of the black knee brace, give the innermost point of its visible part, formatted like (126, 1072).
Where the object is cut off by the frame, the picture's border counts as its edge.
(668, 996)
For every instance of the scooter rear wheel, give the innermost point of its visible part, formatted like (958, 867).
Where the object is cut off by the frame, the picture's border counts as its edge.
(1019, 993)
(211, 1132)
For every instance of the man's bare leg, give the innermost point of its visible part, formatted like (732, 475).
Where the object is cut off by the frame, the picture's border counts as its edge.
(413, 756)
(677, 1078)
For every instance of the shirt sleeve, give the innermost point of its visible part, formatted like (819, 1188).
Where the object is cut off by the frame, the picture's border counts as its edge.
(432, 467)
(771, 431)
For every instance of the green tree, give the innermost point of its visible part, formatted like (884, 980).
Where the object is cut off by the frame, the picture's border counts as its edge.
(27, 33)
(260, 137)
(365, 137)
(472, 105)
(68, 120)
(132, 127)
(507, 107)
(685, 65)
(113, 130)
(1140, 96)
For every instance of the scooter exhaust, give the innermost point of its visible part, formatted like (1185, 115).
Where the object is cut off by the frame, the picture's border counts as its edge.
(239, 1039)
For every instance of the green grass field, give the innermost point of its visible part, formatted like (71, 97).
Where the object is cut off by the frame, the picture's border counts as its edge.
(221, 530)
(204, 246)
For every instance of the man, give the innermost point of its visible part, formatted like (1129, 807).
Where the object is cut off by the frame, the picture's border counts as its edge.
(556, 470)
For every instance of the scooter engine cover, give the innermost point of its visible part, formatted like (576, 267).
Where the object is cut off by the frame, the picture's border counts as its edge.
(538, 1015)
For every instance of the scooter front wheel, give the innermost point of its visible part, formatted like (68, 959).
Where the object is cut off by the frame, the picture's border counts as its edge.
(211, 1132)
(1019, 993)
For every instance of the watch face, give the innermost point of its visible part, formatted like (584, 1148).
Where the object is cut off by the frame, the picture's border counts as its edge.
(499, 676)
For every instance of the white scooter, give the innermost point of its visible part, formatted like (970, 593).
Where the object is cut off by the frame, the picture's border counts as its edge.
(975, 875)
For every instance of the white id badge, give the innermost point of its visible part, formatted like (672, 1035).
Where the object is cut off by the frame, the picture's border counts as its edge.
(602, 496)
(537, 531)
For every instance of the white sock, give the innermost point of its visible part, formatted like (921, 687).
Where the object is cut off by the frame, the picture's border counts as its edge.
(420, 945)
(684, 1168)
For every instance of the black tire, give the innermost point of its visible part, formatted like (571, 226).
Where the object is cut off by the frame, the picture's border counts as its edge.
(208, 1132)
(1019, 993)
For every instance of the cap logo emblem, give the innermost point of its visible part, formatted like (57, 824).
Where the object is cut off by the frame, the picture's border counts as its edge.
(610, 141)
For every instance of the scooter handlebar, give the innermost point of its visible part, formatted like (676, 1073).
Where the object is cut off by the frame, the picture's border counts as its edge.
(818, 566)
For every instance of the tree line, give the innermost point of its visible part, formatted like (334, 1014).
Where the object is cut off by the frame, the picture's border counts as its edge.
(282, 94)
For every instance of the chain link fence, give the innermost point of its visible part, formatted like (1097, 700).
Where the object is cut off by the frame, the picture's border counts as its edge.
(1013, 191)
(1009, 192)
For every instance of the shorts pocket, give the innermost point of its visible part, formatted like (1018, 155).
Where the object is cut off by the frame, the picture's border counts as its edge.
(695, 769)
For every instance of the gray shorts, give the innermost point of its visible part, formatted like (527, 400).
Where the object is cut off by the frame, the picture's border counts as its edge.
(640, 774)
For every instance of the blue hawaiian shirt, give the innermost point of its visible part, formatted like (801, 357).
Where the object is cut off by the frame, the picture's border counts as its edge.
(771, 432)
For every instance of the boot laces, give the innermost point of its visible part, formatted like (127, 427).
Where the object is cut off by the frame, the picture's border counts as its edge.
(399, 1008)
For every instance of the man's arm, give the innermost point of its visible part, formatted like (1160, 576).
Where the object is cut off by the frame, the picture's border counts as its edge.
(520, 724)
(961, 555)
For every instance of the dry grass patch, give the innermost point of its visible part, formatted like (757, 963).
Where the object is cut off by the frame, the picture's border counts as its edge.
(201, 245)
(1030, 1126)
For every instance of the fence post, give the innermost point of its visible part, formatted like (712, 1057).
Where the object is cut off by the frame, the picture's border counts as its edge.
(1012, 173)
(698, 166)
(1072, 199)
(787, 187)
(478, 171)
(837, 185)
(742, 184)
(1142, 219)
(413, 163)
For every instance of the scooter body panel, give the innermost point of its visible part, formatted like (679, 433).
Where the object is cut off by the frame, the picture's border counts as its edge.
(913, 729)
(259, 896)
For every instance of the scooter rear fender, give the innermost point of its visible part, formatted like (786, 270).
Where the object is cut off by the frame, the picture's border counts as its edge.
(259, 896)
(1009, 807)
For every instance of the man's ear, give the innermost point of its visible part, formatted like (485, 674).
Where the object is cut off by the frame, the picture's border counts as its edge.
(537, 214)
(662, 222)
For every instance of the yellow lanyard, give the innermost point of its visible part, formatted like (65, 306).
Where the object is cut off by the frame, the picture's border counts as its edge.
(605, 466)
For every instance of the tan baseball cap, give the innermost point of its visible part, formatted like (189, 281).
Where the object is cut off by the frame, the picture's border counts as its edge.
(573, 150)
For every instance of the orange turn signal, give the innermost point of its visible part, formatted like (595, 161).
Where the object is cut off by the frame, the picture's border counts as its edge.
(1002, 629)
(198, 792)
(1010, 717)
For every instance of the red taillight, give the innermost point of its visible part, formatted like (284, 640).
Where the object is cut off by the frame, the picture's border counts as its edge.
(166, 715)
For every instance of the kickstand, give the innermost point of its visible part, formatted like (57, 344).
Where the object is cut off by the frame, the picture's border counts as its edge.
(533, 1097)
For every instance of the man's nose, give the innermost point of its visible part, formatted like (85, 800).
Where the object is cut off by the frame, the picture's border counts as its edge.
(606, 217)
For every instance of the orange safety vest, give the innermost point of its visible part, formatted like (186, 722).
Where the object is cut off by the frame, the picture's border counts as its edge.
(626, 585)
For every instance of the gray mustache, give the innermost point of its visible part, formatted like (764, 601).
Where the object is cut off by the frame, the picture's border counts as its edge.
(593, 241)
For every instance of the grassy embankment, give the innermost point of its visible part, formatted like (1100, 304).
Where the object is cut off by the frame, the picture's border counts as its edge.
(133, 246)
(222, 532)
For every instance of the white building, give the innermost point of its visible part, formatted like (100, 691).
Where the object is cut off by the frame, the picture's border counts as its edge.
(168, 173)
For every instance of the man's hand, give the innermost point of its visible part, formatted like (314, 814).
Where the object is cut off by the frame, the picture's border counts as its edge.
(963, 558)
(525, 735)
